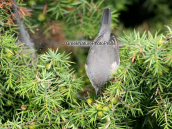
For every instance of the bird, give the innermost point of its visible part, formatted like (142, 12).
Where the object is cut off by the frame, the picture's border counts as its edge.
(103, 60)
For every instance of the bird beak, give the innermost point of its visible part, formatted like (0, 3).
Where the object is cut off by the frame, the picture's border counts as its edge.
(97, 90)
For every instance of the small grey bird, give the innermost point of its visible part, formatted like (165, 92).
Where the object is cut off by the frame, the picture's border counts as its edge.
(102, 60)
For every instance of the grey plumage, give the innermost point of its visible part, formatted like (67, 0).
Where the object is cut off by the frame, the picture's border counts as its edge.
(23, 35)
(103, 59)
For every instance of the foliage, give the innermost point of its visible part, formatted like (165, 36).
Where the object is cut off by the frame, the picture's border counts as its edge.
(29, 91)
(145, 79)
(45, 93)
(72, 16)
(35, 95)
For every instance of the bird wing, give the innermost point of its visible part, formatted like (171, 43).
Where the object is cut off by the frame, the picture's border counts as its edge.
(114, 42)
(116, 58)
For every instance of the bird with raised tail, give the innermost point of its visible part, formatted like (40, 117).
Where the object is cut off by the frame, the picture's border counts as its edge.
(103, 60)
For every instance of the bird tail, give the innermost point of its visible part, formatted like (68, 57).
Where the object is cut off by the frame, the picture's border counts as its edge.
(105, 21)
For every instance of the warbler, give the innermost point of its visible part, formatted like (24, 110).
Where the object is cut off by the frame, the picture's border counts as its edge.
(103, 59)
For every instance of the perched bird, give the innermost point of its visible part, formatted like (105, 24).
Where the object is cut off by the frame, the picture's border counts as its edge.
(102, 60)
